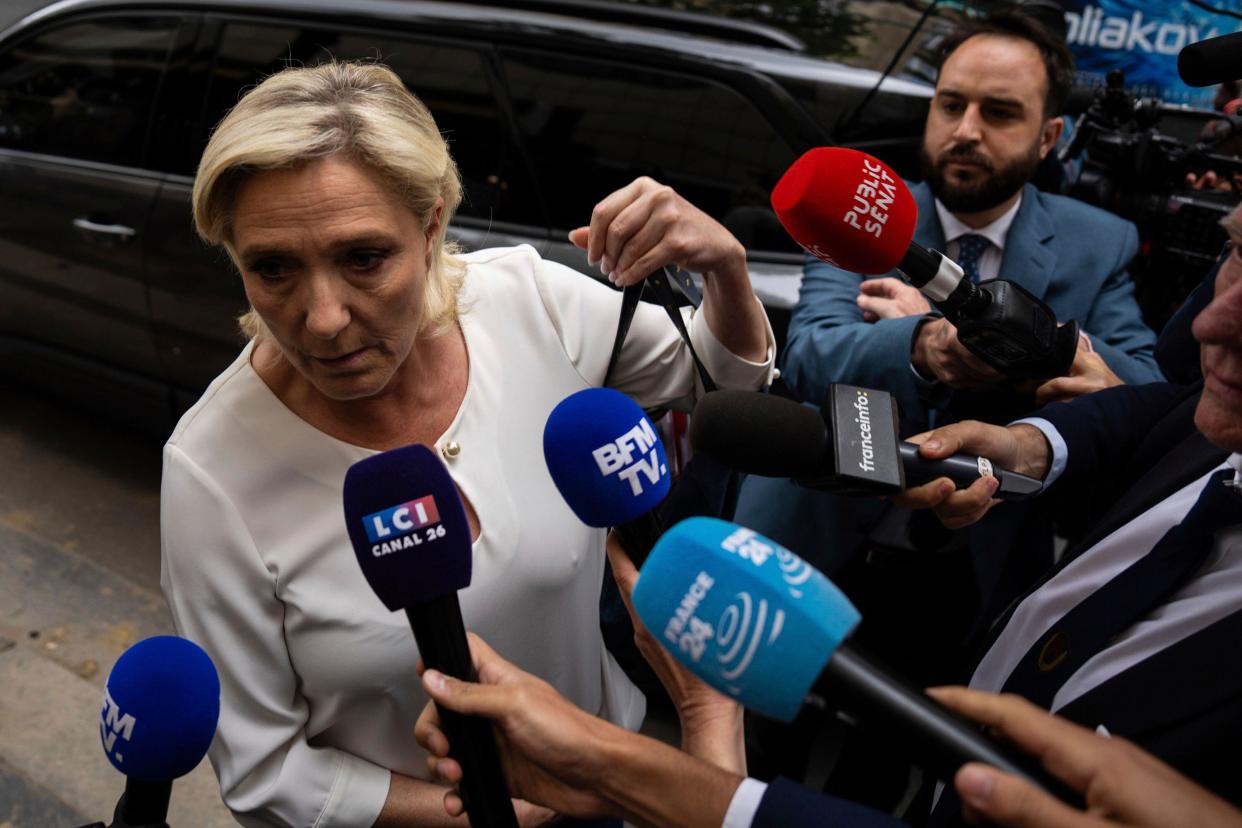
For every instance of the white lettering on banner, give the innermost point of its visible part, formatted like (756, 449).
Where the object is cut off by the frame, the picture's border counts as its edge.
(1132, 34)
(746, 545)
(872, 198)
(863, 406)
(684, 629)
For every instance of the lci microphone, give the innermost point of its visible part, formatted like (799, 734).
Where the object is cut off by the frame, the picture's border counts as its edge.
(763, 626)
(412, 539)
(852, 211)
(160, 708)
(850, 446)
(608, 463)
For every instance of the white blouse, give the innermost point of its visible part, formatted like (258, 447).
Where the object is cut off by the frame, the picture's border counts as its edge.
(319, 692)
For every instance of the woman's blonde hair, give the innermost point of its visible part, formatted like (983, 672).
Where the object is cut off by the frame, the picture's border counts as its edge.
(359, 110)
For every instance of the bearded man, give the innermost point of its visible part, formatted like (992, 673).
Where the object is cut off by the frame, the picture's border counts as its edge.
(993, 119)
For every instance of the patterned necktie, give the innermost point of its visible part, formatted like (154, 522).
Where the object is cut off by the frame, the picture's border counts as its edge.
(969, 248)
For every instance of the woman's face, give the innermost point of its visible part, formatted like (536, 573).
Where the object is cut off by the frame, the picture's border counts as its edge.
(336, 266)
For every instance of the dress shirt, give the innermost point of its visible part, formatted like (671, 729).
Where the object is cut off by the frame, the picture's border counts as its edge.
(996, 232)
(1212, 594)
(745, 804)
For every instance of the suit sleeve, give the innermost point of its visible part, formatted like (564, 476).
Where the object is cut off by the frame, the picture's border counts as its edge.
(828, 341)
(786, 804)
(1116, 326)
(1102, 430)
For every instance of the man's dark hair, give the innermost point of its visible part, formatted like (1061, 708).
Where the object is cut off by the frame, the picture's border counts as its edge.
(1058, 62)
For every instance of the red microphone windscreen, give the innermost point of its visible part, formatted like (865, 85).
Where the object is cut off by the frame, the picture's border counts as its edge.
(847, 209)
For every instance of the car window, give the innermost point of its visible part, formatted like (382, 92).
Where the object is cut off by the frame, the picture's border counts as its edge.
(592, 126)
(451, 80)
(84, 89)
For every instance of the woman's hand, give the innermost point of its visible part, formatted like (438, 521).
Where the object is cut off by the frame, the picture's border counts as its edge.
(647, 225)
(711, 723)
(1121, 784)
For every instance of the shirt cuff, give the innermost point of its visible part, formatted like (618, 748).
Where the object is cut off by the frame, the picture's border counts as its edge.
(358, 793)
(727, 369)
(745, 804)
(1060, 451)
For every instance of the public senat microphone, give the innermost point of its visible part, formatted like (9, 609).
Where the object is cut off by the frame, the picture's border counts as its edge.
(849, 446)
(159, 713)
(608, 463)
(1212, 61)
(852, 211)
(412, 539)
(763, 626)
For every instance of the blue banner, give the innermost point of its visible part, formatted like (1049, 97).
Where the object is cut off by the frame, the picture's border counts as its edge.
(1142, 38)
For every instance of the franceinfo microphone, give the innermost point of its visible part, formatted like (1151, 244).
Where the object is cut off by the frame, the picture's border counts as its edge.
(849, 446)
(159, 713)
(763, 626)
(412, 539)
(608, 463)
(852, 211)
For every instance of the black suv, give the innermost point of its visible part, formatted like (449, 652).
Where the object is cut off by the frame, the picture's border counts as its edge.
(105, 106)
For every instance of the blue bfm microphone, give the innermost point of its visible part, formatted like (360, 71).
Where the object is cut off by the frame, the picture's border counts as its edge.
(763, 626)
(608, 463)
(409, 531)
(159, 713)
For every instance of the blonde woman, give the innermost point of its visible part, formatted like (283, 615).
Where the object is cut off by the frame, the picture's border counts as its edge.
(331, 188)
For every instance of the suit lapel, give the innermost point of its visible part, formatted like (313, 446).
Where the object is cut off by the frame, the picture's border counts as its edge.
(927, 231)
(1029, 259)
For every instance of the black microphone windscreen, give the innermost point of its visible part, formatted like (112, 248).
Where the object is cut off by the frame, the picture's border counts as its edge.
(1212, 61)
(760, 434)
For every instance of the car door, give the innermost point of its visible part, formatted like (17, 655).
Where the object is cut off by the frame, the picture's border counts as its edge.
(196, 295)
(75, 106)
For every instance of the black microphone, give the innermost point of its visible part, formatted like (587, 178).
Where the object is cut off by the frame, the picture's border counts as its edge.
(412, 539)
(1212, 61)
(850, 446)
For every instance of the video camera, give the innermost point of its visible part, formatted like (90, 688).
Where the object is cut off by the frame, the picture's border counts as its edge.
(1136, 169)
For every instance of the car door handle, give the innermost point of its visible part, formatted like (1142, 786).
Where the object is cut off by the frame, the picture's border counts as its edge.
(118, 231)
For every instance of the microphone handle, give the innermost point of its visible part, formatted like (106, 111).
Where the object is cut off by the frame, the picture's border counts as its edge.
(934, 737)
(964, 469)
(639, 535)
(143, 805)
(441, 637)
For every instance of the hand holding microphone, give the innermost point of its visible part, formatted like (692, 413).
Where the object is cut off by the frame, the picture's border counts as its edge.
(852, 211)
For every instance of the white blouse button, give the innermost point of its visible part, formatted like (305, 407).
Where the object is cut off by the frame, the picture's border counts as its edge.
(450, 449)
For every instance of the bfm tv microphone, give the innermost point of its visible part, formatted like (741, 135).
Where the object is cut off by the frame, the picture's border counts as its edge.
(852, 211)
(850, 446)
(412, 539)
(159, 713)
(608, 463)
(763, 626)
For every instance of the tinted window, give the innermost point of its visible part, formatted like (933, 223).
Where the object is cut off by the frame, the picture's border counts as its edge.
(452, 82)
(85, 89)
(593, 126)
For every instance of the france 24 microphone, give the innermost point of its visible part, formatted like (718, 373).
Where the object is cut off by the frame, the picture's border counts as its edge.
(852, 211)
(850, 446)
(160, 707)
(608, 463)
(763, 626)
(412, 539)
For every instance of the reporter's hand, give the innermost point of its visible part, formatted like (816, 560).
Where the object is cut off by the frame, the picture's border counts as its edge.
(1121, 784)
(549, 748)
(646, 225)
(1020, 448)
(890, 298)
(711, 723)
(1088, 373)
(938, 353)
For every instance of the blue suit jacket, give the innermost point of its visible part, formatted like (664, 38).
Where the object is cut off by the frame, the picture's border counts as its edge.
(1069, 254)
(789, 805)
